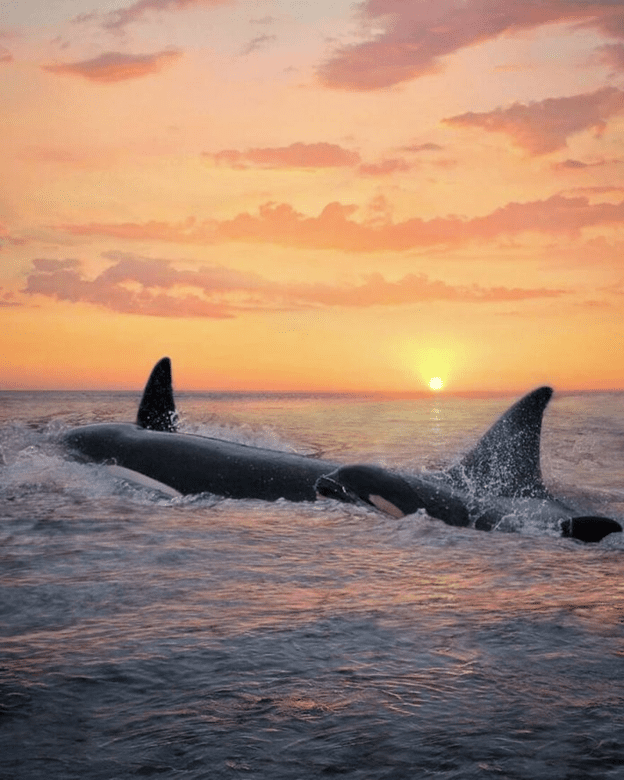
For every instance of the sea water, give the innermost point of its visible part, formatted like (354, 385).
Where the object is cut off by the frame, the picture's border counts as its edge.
(142, 636)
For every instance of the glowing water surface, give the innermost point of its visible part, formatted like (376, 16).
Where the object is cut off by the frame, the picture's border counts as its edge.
(203, 638)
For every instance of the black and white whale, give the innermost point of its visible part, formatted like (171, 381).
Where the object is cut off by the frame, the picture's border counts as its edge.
(152, 453)
(497, 485)
(498, 479)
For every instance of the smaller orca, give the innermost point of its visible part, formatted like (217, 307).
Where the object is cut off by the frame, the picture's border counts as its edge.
(498, 484)
(394, 494)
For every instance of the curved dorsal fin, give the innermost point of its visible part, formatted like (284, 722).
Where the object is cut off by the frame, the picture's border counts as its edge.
(506, 460)
(157, 410)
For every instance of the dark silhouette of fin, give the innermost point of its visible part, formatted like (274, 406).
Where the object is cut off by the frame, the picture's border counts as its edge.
(506, 460)
(157, 410)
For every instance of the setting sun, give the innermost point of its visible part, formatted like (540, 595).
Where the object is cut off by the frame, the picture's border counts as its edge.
(435, 383)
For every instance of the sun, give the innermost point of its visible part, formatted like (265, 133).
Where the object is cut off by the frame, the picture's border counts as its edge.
(435, 383)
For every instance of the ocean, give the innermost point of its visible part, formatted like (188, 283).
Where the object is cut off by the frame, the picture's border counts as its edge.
(197, 637)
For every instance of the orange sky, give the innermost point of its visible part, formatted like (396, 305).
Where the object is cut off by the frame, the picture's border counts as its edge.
(312, 196)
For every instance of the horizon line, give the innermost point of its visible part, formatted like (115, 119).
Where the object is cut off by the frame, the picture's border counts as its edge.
(374, 394)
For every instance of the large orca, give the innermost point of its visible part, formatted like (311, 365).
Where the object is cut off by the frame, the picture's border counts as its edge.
(151, 452)
(498, 484)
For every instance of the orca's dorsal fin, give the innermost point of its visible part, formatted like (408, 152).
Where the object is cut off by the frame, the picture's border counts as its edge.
(506, 460)
(157, 410)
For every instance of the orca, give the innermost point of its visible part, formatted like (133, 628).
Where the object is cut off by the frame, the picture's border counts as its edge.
(496, 485)
(152, 453)
(497, 482)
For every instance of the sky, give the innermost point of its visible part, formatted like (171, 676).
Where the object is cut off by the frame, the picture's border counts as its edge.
(327, 196)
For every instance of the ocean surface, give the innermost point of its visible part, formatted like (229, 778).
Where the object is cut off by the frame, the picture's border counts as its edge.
(189, 638)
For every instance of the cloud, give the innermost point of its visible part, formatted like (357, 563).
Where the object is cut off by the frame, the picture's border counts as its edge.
(155, 287)
(416, 35)
(544, 126)
(598, 190)
(84, 18)
(7, 238)
(570, 165)
(613, 55)
(133, 285)
(188, 231)
(259, 42)
(263, 20)
(297, 155)
(5, 55)
(301, 155)
(577, 165)
(115, 66)
(410, 289)
(48, 265)
(122, 16)
(6, 299)
(335, 228)
(417, 148)
(385, 167)
(55, 155)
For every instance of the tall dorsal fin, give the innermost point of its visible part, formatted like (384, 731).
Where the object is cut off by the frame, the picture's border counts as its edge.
(506, 460)
(157, 410)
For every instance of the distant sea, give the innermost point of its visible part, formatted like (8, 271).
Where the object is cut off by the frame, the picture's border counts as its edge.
(208, 638)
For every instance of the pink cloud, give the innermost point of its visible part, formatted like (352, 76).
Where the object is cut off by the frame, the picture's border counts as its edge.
(411, 288)
(570, 165)
(64, 281)
(598, 190)
(613, 54)
(615, 289)
(263, 20)
(7, 299)
(152, 286)
(385, 167)
(115, 66)
(579, 165)
(335, 228)
(417, 148)
(259, 42)
(297, 155)
(49, 265)
(544, 126)
(188, 231)
(7, 238)
(58, 155)
(302, 155)
(416, 35)
(5, 55)
(132, 13)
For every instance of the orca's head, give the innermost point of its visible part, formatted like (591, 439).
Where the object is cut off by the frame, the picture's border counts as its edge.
(372, 486)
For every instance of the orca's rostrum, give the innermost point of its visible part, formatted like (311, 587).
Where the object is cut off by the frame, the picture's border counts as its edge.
(499, 478)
